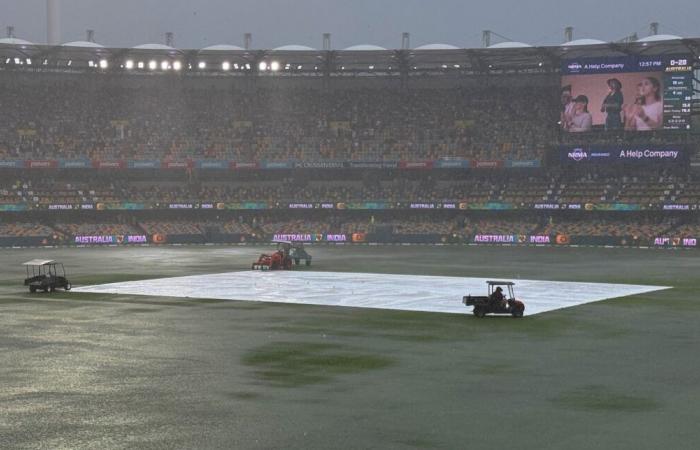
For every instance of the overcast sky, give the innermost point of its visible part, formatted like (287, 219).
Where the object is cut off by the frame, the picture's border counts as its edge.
(198, 23)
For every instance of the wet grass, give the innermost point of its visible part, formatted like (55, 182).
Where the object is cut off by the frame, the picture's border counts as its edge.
(602, 398)
(294, 364)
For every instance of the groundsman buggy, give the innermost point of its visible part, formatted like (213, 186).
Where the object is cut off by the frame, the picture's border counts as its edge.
(490, 304)
(46, 275)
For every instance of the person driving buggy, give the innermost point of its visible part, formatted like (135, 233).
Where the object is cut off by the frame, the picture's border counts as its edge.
(497, 298)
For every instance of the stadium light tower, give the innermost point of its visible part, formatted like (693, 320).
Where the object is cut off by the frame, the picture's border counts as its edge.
(486, 38)
(170, 39)
(247, 41)
(653, 28)
(90, 35)
(568, 34)
(10, 31)
(53, 22)
(405, 41)
(326, 41)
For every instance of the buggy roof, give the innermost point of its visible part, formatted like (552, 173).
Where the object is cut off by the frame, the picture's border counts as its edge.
(501, 283)
(39, 262)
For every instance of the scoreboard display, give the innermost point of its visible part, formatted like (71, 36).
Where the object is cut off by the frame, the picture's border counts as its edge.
(678, 94)
(639, 93)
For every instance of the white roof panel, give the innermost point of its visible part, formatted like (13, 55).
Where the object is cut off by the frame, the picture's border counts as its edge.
(84, 44)
(364, 47)
(660, 37)
(222, 48)
(437, 47)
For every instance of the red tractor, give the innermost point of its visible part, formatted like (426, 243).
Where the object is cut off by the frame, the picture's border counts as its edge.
(279, 260)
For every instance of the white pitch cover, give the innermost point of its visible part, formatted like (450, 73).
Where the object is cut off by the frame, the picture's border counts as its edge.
(365, 290)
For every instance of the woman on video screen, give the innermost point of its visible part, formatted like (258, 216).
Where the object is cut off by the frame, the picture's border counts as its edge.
(582, 120)
(647, 112)
(612, 105)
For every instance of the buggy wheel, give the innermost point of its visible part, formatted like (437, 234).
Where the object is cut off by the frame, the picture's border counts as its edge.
(297, 261)
(308, 262)
(479, 312)
(68, 286)
(52, 288)
(32, 289)
(517, 313)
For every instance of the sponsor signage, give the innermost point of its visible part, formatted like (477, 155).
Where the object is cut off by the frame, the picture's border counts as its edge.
(207, 164)
(608, 155)
(116, 164)
(675, 242)
(622, 64)
(11, 164)
(42, 164)
(319, 164)
(273, 165)
(145, 164)
(311, 237)
(110, 240)
(177, 164)
(416, 165)
(524, 164)
(489, 164)
(373, 164)
(74, 164)
(451, 164)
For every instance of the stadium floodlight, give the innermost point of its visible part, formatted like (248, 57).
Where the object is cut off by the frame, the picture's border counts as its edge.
(18, 61)
(8, 60)
(129, 64)
(299, 67)
(247, 66)
(274, 66)
(202, 65)
(153, 65)
(262, 66)
(226, 66)
(104, 64)
(29, 61)
(371, 67)
(91, 63)
(165, 65)
(235, 66)
(177, 65)
(70, 62)
(141, 65)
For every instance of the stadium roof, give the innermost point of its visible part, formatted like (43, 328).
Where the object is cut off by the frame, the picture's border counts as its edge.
(512, 44)
(84, 44)
(360, 59)
(364, 48)
(153, 47)
(659, 37)
(579, 42)
(293, 48)
(14, 41)
(222, 48)
(437, 47)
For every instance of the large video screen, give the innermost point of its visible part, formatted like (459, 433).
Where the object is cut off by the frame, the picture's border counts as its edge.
(626, 93)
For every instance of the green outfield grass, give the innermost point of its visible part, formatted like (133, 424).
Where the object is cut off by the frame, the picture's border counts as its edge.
(106, 371)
